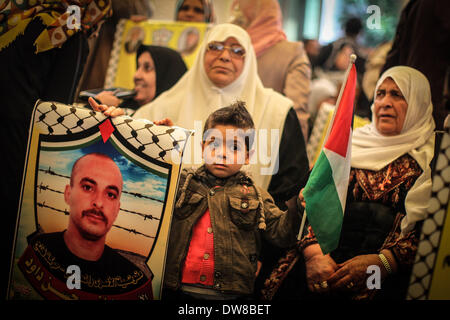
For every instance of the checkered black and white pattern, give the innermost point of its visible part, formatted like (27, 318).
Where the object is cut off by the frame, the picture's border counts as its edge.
(432, 227)
(158, 142)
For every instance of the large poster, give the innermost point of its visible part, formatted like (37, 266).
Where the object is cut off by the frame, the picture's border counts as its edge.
(184, 37)
(96, 205)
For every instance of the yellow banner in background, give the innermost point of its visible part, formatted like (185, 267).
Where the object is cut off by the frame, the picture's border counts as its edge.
(440, 284)
(184, 37)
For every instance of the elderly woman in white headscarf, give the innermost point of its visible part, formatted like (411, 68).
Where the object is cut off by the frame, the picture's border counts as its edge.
(225, 70)
(389, 189)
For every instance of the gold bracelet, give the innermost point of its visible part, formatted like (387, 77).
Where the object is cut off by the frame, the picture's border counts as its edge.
(385, 262)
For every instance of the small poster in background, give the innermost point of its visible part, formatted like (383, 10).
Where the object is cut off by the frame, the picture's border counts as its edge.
(184, 37)
(96, 204)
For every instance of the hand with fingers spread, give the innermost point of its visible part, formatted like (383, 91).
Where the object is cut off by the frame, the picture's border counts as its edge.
(108, 111)
(319, 268)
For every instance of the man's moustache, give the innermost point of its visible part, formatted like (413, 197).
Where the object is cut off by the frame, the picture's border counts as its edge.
(94, 212)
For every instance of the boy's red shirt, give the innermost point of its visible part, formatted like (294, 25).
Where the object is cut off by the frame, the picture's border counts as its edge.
(198, 266)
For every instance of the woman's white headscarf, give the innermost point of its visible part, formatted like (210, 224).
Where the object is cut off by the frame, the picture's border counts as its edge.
(372, 150)
(194, 96)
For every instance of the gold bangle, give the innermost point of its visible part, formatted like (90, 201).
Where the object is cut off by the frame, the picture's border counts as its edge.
(385, 262)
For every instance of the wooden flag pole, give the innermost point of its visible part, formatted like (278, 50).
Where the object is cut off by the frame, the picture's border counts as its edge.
(338, 101)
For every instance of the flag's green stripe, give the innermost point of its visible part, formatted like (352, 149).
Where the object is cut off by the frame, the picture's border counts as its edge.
(323, 207)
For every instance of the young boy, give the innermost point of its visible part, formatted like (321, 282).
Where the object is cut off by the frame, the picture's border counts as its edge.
(220, 217)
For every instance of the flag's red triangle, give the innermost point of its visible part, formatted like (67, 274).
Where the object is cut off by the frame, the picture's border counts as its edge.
(340, 131)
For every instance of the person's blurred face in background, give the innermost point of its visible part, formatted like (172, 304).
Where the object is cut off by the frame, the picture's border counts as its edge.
(145, 79)
(191, 11)
(343, 58)
(312, 48)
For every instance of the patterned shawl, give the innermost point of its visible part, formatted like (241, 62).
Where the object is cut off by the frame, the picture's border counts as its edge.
(371, 150)
(58, 16)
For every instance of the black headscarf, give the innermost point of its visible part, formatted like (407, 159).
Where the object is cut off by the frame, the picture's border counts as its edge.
(169, 66)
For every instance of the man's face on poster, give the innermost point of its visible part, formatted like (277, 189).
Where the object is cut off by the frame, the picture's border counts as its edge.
(94, 195)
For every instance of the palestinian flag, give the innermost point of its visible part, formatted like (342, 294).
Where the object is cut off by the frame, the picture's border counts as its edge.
(326, 190)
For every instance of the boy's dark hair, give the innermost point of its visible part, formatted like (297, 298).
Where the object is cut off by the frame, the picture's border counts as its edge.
(235, 115)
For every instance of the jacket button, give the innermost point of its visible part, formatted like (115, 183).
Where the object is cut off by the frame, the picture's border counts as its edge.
(206, 256)
(217, 274)
(217, 285)
(212, 192)
(202, 278)
(209, 230)
(244, 205)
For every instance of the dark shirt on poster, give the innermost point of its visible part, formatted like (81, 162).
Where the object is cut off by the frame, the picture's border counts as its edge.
(96, 276)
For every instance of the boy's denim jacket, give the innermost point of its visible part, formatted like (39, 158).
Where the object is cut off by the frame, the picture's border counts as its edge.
(240, 214)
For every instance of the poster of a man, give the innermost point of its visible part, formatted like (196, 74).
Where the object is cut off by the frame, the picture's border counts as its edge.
(93, 196)
(95, 209)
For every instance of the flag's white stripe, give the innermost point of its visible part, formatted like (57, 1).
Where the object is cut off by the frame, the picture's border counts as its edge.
(340, 167)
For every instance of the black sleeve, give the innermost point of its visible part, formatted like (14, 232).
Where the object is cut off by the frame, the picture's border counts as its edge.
(400, 44)
(291, 177)
(26, 76)
(129, 103)
(50, 75)
(66, 70)
(293, 163)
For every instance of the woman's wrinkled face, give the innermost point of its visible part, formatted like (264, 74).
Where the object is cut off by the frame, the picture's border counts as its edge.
(145, 79)
(390, 108)
(192, 11)
(224, 66)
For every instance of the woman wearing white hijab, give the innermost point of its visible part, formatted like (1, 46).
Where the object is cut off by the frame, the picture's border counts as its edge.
(372, 150)
(389, 189)
(220, 77)
(222, 74)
